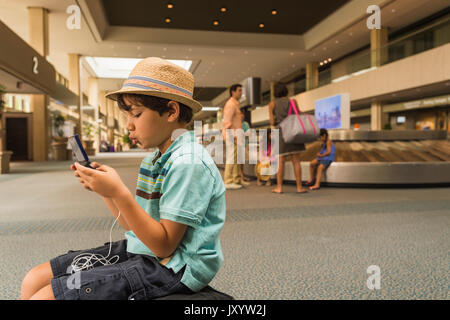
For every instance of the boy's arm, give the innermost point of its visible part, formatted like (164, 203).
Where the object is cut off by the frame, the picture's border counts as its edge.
(162, 238)
(109, 203)
(112, 207)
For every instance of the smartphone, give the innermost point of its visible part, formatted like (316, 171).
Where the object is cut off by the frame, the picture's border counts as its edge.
(79, 153)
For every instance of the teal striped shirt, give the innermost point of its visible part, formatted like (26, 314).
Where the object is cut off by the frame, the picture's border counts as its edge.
(185, 186)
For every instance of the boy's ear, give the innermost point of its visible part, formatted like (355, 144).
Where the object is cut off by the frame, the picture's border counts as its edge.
(174, 111)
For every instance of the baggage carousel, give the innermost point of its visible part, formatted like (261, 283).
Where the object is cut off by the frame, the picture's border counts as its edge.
(380, 158)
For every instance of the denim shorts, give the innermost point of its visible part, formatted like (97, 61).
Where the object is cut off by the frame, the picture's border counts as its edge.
(325, 163)
(132, 277)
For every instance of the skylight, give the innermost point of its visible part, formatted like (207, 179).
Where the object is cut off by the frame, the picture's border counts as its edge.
(120, 68)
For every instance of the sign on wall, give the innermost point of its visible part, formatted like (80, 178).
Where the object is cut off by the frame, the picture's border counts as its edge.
(333, 112)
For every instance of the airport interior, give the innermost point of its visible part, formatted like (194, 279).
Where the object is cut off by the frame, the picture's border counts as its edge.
(374, 73)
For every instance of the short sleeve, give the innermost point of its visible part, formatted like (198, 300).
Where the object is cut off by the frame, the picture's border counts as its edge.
(186, 192)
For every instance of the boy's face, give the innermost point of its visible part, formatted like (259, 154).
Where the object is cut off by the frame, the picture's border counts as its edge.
(147, 126)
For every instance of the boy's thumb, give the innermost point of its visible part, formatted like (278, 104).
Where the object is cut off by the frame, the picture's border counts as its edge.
(95, 164)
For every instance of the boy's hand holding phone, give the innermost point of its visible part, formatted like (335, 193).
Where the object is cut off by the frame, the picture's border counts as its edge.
(103, 179)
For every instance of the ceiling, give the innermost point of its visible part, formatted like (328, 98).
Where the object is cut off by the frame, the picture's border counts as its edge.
(292, 17)
(224, 56)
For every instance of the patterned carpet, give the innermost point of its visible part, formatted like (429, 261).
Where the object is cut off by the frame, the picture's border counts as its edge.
(289, 246)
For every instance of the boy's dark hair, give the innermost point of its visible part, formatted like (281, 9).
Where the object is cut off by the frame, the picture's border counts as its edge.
(157, 104)
(280, 90)
(234, 88)
(324, 132)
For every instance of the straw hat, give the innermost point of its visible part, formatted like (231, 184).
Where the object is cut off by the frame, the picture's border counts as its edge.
(160, 78)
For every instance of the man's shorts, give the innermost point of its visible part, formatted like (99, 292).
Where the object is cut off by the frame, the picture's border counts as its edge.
(132, 277)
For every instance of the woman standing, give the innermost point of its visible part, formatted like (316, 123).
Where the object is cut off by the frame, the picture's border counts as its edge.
(278, 110)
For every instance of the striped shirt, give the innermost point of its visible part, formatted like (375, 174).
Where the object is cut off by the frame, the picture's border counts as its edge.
(185, 186)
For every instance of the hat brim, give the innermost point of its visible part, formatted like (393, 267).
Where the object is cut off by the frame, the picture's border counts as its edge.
(191, 103)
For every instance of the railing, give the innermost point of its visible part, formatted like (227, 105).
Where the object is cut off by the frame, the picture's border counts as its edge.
(427, 38)
(60, 79)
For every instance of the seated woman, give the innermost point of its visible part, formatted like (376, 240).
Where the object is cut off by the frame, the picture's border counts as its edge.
(324, 158)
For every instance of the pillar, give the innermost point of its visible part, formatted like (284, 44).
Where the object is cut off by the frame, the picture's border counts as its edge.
(378, 46)
(291, 89)
(94, 100)
(110, 121)
(377, 117)
(272, 91)
(75, 86)
(312, 75)
(38, 39)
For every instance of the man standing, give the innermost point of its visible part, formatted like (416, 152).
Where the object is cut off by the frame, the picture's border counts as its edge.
(232, 120)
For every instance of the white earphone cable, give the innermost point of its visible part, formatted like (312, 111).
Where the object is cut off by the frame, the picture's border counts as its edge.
(86, 261)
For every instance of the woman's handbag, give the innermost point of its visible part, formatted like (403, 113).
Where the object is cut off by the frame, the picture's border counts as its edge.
(299, 128)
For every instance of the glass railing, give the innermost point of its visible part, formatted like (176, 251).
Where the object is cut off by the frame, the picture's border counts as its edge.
(60, 79)
(427, 38)
(300, 86)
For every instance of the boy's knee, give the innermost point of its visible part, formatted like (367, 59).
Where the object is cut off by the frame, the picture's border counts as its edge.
(35, 279)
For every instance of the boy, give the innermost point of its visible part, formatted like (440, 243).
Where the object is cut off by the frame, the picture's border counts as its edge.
(173, 223)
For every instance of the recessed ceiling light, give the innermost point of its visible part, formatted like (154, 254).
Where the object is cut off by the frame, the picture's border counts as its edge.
(261, 25)
(168, 20)
(321, 63)
(274, 12)
(329, 59)
(223, 9)
(291, 53)
(216, 23)
(169, 5)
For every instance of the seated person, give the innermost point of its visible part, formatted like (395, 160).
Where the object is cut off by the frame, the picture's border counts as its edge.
(324, 158)
(173, 221)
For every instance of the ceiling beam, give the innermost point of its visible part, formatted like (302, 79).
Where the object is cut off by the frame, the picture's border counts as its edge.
(95, 17)
(204, 38)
